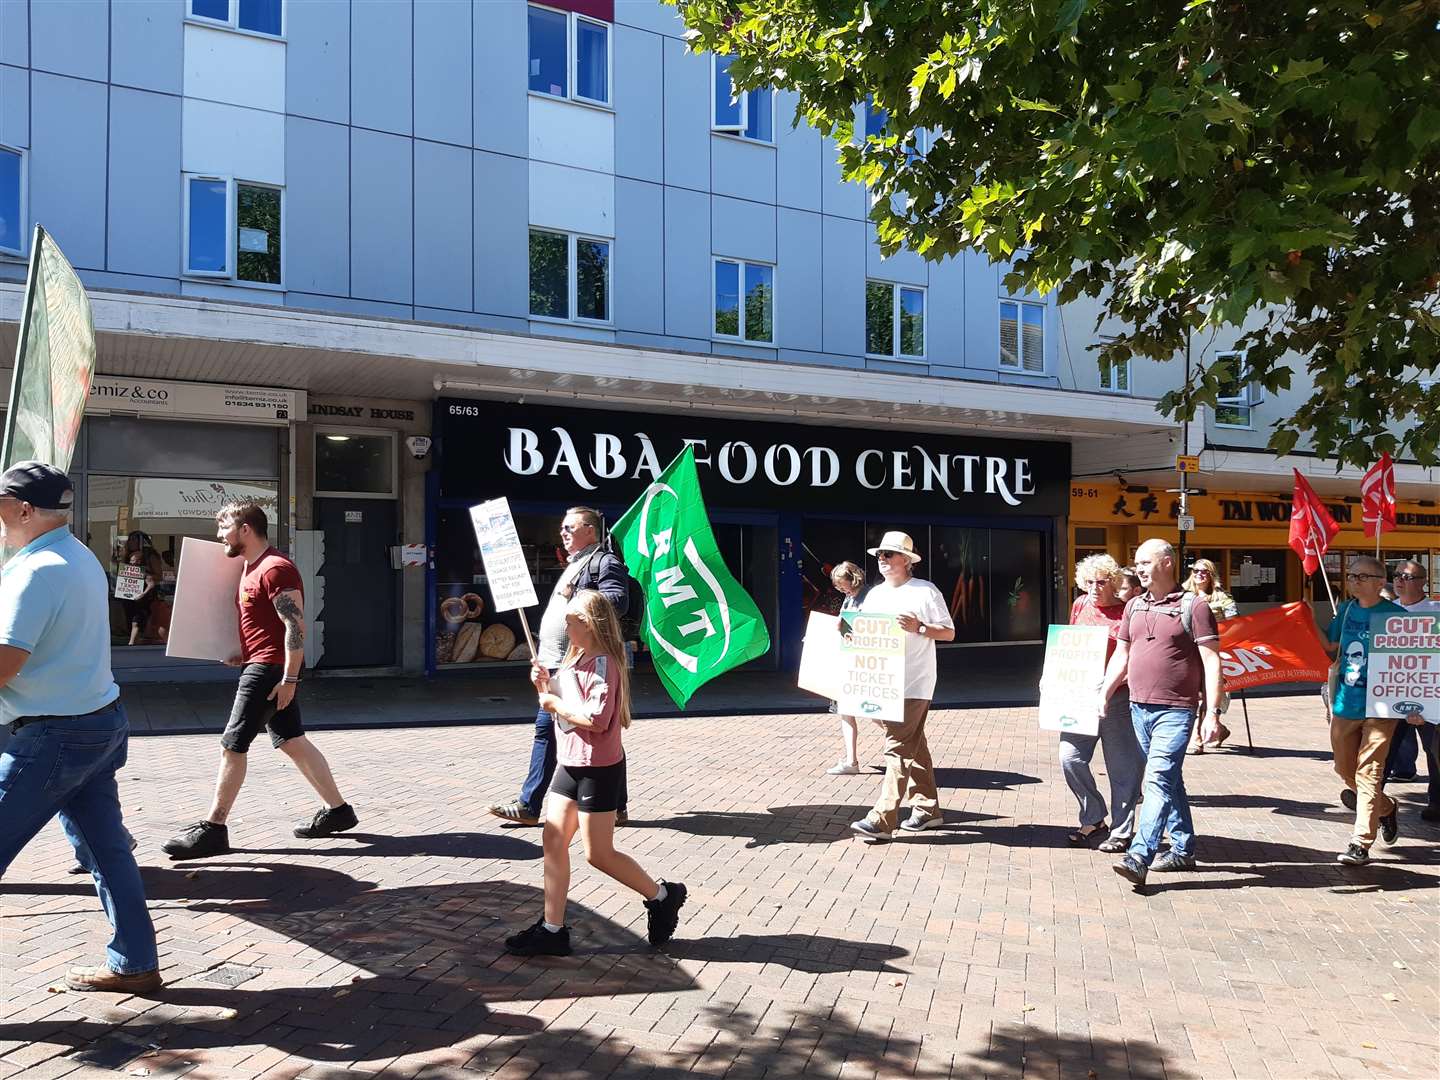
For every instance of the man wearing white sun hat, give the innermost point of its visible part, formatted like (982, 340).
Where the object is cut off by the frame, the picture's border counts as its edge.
(923, 616)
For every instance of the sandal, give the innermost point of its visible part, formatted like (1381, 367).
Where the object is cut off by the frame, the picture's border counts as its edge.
(1083, 838)
(1221, 736)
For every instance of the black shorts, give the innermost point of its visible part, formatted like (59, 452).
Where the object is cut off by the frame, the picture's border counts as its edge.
(253, 710)
(595, 789)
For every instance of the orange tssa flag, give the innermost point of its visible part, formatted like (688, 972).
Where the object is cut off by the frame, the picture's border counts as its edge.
(1277, 645)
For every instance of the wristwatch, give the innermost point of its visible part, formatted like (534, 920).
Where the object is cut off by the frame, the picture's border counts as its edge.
(922, 629)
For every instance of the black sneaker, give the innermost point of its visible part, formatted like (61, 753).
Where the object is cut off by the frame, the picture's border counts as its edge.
(1347, 799)
(1172, 861)
(1132, 870)
(1354, 855)
(199, 841)
(1390, 825)
(327, 822)
(662, 916)
(537, 941)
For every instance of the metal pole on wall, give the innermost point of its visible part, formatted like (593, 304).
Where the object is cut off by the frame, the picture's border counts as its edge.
(1185, 449)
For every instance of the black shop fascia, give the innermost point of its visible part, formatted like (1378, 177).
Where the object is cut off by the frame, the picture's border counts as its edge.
(788, 502)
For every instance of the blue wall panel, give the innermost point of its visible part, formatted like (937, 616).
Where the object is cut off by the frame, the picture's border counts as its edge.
(797, 158)
(837, 197)
(904, 266)
(67, 165)
(317, 207)
(147, 44)
(982, 312)
(71, 37)
(842, 265)
(380, 83)
(945, 314)
(799, 301)
(381, 202)
(502, 103)
(638, 274)
(317, 60)
(144, 187)
(650, 15)
(687, 118)
(639, 105)
(502, 235)
(689, 305)
(14, 106)
(15, 34)
(745, 170)
(444, 259)
(742, 230)
(443, 92)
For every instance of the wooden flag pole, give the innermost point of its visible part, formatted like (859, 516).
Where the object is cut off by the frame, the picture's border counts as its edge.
(525, 625)
(1334, 608)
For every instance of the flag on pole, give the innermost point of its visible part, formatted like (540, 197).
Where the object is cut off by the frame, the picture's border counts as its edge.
(697, 621)
(1377, 496)
(1311, 526)
(54, 360)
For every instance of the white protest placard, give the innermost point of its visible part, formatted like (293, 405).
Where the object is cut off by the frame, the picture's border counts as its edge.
(130, 583)
(506, 570)
(1402, 670)
(1070, 681)
(820, 656)
(872, 668)
(204, 622)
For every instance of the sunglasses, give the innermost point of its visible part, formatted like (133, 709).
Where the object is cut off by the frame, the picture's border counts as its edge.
(883, 554)
(1409, 577)
(1201, 573)
(573, 528)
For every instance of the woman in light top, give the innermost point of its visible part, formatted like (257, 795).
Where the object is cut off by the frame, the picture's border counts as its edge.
(1204, 582)
(848, 580)
(589, 696)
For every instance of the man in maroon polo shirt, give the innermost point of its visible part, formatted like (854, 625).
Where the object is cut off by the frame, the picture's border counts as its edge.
(1167, 649)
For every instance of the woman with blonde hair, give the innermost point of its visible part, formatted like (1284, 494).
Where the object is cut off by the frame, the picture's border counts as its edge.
(1101, 578)
(1204, 582)
(589, 696)
(848, 580)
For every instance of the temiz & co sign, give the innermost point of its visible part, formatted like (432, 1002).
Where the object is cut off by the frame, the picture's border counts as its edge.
(195, 401)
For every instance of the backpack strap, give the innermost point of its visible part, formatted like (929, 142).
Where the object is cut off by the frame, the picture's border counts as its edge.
(1187, 613)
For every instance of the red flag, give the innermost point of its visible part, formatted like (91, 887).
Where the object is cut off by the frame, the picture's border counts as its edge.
(1311, 526)
(1377, 496)
(1276, 645)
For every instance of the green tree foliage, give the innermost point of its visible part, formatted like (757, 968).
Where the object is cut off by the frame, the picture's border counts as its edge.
(1268, 166)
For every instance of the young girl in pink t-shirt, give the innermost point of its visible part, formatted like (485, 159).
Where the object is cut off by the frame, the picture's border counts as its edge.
(589, 696)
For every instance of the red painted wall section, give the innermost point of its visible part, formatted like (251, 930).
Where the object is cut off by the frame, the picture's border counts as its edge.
(596, 9)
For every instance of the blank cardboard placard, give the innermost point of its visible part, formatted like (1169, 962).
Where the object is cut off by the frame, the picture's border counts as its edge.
(204, 624)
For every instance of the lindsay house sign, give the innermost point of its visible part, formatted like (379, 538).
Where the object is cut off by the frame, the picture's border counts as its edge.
(544, 453)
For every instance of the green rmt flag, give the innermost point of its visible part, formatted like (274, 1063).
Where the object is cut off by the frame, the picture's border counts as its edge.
(698, 621)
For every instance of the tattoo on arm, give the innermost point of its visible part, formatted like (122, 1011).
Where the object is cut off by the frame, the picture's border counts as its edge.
(288, 607)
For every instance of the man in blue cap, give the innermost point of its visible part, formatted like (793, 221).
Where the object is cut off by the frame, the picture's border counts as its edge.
(68, 729)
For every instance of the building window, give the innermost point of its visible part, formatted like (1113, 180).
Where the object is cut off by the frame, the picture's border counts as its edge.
(559, 259)
(12, 200)
(1235, 399)
(569, 56)
(894, 320)
(1115, 377)
(354, 463)
(876, 122)
(751, 115)
(744, 300)
(233, 229)
(257, 16)
(1022, 336)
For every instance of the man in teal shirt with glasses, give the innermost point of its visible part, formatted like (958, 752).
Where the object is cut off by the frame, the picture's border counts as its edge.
(69, 732)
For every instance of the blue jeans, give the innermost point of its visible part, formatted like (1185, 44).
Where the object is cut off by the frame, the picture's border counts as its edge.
(1162, 732)
(68, 767)
(1404, 759)
(542, 767)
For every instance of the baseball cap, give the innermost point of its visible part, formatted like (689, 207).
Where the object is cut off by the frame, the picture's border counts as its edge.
(42, 486)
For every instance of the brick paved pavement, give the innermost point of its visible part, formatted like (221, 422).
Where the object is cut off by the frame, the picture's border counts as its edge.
(985, 949)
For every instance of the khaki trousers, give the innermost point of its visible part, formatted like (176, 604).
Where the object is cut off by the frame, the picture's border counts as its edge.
(909, 774)
(1361, 747)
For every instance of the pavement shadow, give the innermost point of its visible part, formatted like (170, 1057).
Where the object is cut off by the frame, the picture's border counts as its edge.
(982, 779)
(455, 845)
(1311, 811)
(1015, 1051)
(813, 954)
(289, 888)
(1267, 864)
(816, 823)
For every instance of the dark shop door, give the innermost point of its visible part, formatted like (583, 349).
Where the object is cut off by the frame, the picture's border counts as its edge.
(358, 608)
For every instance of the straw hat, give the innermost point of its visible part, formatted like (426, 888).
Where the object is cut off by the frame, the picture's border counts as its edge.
(897, 541)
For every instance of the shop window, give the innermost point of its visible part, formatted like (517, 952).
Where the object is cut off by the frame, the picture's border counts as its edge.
(559, 259)
(894, 320)
(257, 16)
(1022, 337)
(558, 36)
(350, 464)
(1235, 399)
(749, 314)
(12, 201)
(750, 114)
(1256, 577)
(135, 525)
(233, 229)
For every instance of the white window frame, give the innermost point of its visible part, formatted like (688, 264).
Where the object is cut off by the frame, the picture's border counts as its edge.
(233, 23)
(739, 336)
(232, 254)
(572, 276)
(895, 288)
(24, 208)
(572, 59)
(733, 130)
(1248, 398)
(1108, 375)
(1018, 367)
(369, 433)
